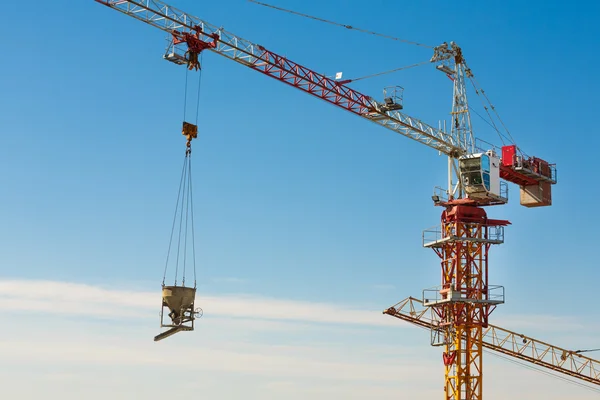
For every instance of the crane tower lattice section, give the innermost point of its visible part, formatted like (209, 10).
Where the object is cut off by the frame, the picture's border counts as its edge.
(465, 299)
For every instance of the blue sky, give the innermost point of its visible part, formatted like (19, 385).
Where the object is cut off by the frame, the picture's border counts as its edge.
(298, 204)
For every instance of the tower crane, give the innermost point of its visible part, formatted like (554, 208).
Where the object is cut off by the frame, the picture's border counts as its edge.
(477, 177)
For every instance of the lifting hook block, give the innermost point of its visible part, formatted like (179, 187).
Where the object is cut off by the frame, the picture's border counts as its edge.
(190, 131)
(192, 61)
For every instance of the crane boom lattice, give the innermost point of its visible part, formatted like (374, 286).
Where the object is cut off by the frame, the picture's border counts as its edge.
(181, 24)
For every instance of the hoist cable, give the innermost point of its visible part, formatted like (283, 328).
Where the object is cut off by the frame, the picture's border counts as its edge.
(501, 135)
(199, 85)
(174, 219)
(192, 219)
(485, 120)
(342, 25)
(187, 208)
(180, 225)
(189, 152)
(189, 212)
(491, 120)
(494, 109)
(185, 90)
(479, 90)
(387, 72)
(184, 203)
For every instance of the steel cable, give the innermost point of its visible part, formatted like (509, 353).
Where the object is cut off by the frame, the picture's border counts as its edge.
(342, 25)
(174, 220)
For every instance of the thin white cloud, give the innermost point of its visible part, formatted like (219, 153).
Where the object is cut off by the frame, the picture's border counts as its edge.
(95, 301)
(542, 322)
(228, 279)
(265, 363)
(82, 299)
(279, 361)
(383, 287)
(65, 342)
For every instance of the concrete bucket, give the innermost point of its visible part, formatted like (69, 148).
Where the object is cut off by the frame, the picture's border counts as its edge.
(179, 300)
(178, 297)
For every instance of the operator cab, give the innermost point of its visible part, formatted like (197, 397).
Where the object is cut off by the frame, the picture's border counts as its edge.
(480, 178)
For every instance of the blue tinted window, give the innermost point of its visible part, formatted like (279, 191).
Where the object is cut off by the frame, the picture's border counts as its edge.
(486, 181)
(485, 163)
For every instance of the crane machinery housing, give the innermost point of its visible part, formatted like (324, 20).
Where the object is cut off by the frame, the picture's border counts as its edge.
(477, 177)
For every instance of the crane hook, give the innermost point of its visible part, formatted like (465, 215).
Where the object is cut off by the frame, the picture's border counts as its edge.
(192, 60)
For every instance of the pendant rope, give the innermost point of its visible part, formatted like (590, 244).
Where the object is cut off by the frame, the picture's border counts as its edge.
(183, 226)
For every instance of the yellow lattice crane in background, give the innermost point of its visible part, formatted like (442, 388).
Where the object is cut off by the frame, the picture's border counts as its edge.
(502, 341)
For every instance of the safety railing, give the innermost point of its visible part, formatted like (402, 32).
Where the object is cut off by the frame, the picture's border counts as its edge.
(493, 294)
(434, 235)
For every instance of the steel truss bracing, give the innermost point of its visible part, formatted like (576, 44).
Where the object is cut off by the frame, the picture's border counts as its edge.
(465, 301)
(504, 341)
(461, 125)
(450, 61)
(176, 22)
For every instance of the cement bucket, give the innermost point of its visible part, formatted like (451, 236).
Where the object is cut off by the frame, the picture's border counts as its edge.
(178, 298)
